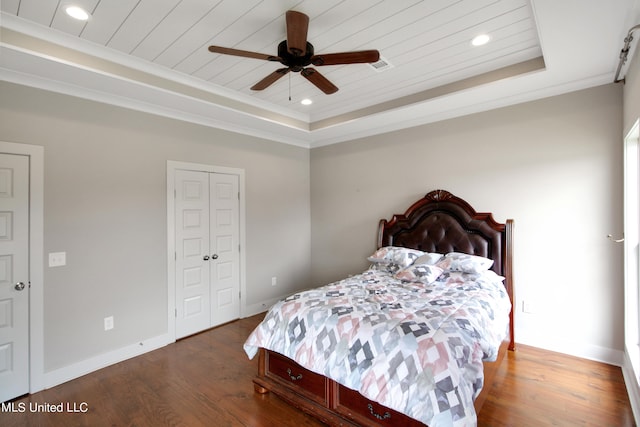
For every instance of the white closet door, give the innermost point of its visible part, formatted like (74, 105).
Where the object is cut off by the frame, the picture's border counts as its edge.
(207, 215)
(193, 299)
(14, 276)
(225, 248)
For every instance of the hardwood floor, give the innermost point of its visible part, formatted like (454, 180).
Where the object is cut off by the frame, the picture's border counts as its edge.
(205, 380)
(540, 388)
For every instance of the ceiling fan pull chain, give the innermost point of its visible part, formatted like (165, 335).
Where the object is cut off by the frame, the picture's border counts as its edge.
(289, 87)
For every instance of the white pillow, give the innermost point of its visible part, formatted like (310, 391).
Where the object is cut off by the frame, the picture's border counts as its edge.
(394, 258)
(429, 258)
(420, 273)
(456, 261)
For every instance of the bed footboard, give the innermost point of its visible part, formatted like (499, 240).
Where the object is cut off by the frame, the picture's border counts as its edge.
(322, 397)
(335, 404)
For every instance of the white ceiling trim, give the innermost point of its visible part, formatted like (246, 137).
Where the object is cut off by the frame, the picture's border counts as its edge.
(449, 107)
(33, 70)
(30, 68)
(119, 79)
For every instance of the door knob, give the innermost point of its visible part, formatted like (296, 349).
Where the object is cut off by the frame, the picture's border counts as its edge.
(214, 256)
(206, 258)
(19, 286)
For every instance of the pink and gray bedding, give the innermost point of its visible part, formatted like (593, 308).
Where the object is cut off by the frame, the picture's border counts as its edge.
(415, 346)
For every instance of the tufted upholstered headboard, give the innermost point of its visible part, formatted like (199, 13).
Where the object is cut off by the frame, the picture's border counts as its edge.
(441, 222)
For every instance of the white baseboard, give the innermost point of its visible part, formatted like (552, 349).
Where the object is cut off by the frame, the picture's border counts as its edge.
(68, 373)
(633, 388)
(584, 351)
(261, 307)
(76, 370)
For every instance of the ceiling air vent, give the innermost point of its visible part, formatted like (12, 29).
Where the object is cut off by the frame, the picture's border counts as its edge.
(381, 65)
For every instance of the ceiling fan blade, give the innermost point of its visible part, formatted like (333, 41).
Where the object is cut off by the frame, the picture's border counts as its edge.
(297, 28)
(362, 56)
(319, 80)
(243, 53)
(270, 79)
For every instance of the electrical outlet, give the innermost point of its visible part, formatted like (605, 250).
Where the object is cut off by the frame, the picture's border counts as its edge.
(108, 323)
(528, 307)
(274, 281)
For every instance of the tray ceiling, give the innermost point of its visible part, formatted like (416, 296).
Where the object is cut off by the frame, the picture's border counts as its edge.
(152, 55)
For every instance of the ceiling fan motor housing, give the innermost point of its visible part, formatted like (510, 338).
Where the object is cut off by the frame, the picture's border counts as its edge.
(296, 53)
(295, 62)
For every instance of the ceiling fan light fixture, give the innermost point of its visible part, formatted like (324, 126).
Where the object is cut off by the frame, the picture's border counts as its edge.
(480, 40)
(296, 54)
(306, 101)
(77, 12)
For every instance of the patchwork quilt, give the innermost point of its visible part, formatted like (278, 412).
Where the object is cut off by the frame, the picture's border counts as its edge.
(414, 347)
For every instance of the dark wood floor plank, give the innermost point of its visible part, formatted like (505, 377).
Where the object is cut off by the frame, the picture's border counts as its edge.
(206, 380)
(541, 388)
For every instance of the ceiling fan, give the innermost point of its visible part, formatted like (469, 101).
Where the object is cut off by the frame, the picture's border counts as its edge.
(296, 54)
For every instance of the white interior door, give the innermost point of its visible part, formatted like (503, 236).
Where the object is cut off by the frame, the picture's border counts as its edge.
(225, 255)
(207, 259)
(193, 299)
(14, 276)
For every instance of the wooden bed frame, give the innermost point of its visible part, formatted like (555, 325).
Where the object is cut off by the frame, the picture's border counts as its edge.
(439, 222)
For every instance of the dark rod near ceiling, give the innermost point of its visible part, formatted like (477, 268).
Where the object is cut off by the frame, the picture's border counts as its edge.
(625, 52)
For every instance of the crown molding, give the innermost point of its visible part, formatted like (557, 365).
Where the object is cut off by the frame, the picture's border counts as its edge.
(37, 56)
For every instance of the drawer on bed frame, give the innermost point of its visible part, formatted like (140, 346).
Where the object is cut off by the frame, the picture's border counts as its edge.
(353, 405)
(306, 382)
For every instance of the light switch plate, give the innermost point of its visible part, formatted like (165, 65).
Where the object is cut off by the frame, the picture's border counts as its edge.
(57, 259)
(108, 323)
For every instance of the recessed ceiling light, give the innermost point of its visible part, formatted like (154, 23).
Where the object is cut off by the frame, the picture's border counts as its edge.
(77, 13)
(480, 40)
(306, 101)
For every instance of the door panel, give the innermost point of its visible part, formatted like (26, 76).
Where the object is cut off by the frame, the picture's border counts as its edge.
(225, 262)
(192, 245)
(14, 269)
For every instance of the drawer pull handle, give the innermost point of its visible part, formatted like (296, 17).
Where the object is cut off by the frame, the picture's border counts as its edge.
(293, 378)
(385, 416)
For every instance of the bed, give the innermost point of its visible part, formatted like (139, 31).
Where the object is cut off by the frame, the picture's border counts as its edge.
(412, 340)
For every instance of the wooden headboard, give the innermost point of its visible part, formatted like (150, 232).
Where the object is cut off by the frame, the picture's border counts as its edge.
(441, 222)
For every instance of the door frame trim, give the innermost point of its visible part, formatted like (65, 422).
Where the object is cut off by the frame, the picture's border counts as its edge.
(36, 258)
(172, 166)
